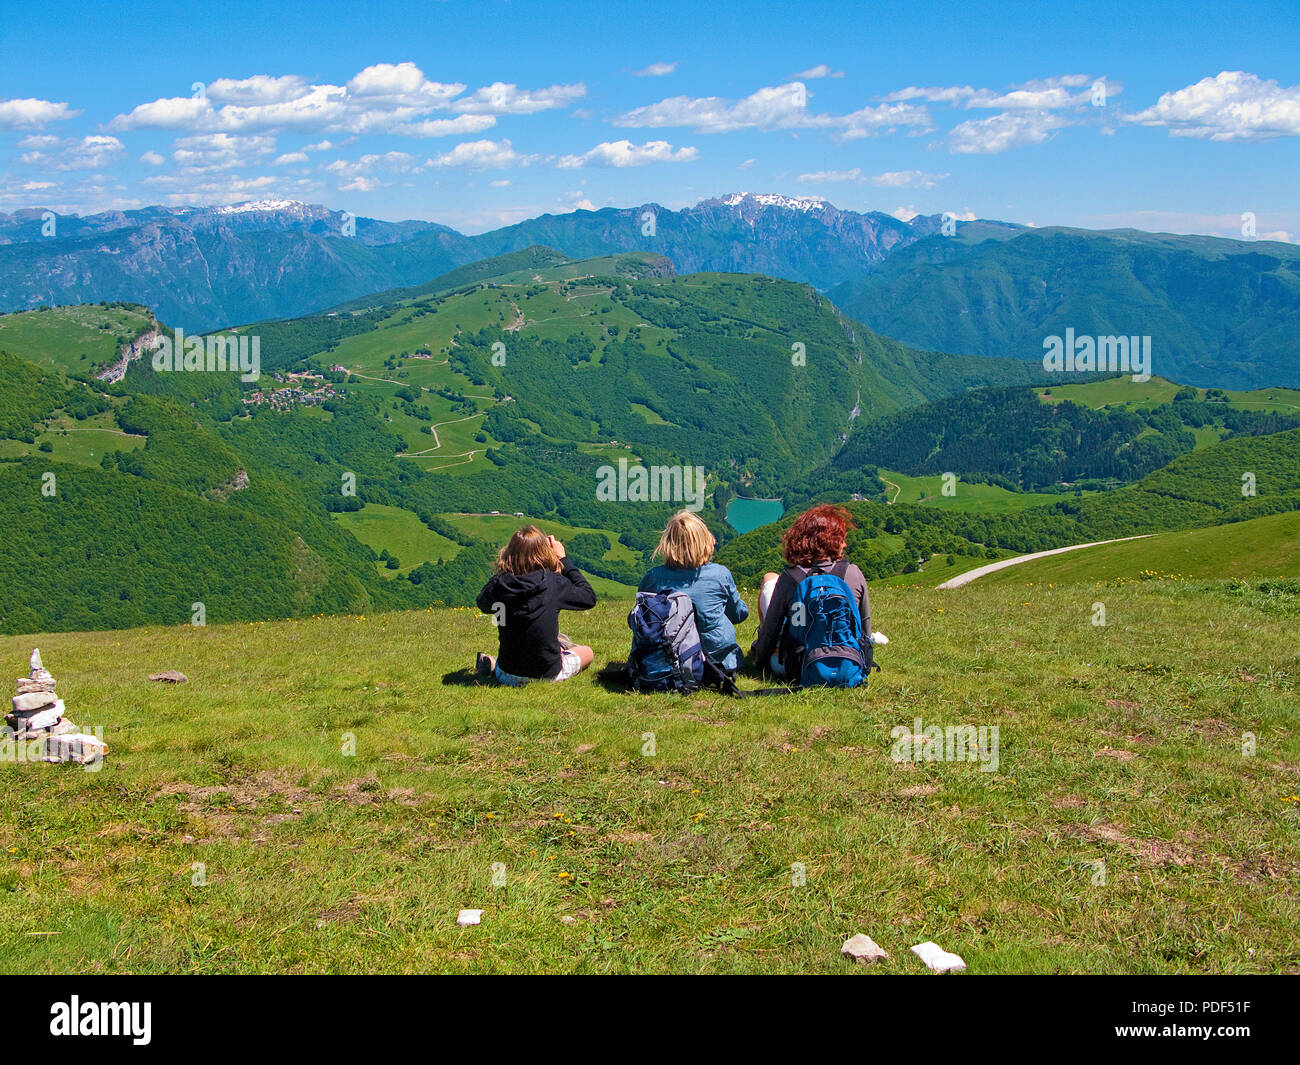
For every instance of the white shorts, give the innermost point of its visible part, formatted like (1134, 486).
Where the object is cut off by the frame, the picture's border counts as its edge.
(570, 666)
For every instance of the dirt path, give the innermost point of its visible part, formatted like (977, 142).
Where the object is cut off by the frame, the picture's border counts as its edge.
(434, 430)
(898, 489)
(993, 567)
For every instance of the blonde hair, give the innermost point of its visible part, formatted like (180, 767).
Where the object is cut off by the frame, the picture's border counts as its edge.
(528, 550)
(686, 542)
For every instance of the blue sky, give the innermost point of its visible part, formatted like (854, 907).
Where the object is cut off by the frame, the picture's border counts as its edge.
(478, 114)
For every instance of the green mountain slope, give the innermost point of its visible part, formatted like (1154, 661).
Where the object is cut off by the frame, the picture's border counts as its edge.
(505, 394)
(1207, 487)
(1245, 550)
(1220, 312)
(1030, 440)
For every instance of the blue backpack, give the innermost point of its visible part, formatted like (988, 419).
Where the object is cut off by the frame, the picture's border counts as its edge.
(666, 652)
(823, 633)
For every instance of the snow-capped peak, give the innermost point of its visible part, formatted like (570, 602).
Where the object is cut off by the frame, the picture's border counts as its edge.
(261, 205)
(775, 199)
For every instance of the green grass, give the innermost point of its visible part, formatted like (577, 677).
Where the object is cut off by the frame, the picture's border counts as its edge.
(71, 339)
(968, 496)
(1120, 745)
(1144, 395)
(1261, 547)
(401, 533)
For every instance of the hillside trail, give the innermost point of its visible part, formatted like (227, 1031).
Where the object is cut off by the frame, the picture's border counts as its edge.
(993, 567)
(898, 489)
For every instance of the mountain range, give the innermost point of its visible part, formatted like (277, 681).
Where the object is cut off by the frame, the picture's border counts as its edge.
(210, 267)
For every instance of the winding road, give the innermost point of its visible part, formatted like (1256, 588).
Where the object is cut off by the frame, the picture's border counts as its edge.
(993, 567)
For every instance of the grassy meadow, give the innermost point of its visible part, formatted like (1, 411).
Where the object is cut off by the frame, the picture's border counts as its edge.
(324, 795)
(1261, 547)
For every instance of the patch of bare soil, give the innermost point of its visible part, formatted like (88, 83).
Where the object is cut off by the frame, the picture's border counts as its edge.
(1148, 851)
(1118, 754)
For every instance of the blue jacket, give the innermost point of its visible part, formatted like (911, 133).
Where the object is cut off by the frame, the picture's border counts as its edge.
(717, 606)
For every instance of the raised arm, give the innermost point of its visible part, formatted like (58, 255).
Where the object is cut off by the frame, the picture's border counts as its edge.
(578, 595)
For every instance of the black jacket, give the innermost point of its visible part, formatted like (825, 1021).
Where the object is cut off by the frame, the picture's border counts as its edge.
(529, 616)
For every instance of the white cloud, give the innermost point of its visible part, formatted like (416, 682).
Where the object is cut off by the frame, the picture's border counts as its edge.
(289, 158)
(870, 121)
(892, 179)
(221, 151)
(1002, 132)
(625, 153)
(500, 183)
(820, 177)
(779, 107)
(1067, 91)
(152, 159)
(821, 70)
(259, 89)
(482, 155)
(500, 98)
(655, 70)
(88, 153)
(443, 127)
(393, 162)
(382, 98)
(226, 188)
(32, 114)
(1232, 106)
(902, 179)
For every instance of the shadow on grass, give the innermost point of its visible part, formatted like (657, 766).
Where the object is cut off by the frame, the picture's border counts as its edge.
(467, 678)
(614, 678)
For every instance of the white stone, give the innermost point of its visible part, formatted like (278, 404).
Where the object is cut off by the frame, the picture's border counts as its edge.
(938, 959)
(36, 659)
(26, 685)
(45, 718)
(469, 917)
(33, 701)
(75, 747)
(863, 949)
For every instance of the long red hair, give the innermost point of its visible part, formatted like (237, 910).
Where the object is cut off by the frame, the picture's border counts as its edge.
(820, 533)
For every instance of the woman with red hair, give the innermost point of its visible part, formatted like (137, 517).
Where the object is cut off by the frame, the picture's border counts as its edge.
(814, 547)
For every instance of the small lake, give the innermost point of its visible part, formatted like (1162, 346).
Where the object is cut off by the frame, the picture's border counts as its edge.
(746, 514)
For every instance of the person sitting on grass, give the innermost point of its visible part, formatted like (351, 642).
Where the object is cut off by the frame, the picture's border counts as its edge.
(815, 616)
(534, 581)
(687, 547)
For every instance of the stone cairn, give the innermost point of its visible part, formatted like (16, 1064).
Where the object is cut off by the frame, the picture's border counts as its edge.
(38, 716)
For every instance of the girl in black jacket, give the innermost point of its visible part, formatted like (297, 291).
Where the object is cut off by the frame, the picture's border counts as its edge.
(534, 581)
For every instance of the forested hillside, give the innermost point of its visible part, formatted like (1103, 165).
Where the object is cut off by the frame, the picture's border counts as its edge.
(506, 393)
(1222, 313)
(1013, 438)
(1232, 481)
